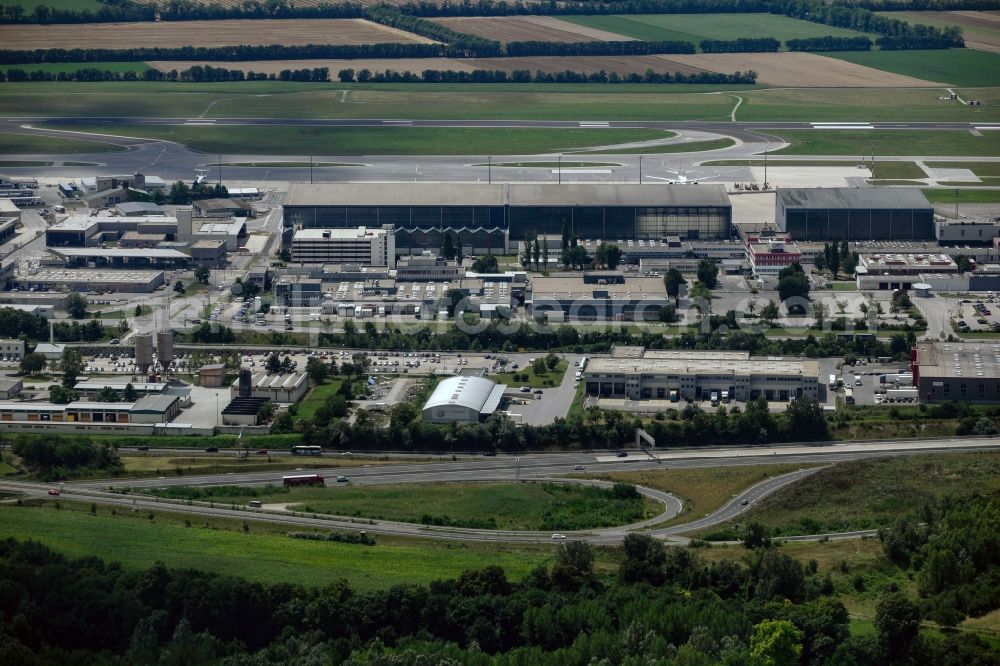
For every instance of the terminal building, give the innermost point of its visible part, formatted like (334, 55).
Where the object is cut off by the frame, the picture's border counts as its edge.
(463, 400)
(853, 214)
(632, 373)
(362, 246)
(491, 219)
(961, 371)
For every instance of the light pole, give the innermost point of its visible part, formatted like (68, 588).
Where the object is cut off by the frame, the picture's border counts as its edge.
(489, 170)
(517, 469)
(560, 169)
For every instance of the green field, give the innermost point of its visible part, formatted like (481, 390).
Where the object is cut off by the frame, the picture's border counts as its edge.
(56, 68)
(866, 104)
(316, 396)
(507, 506)
(946, 195)
(30, 143)
(897, 170)
(941, 19)
(868, 494)
(697, 27)
(382, 140)
(981, 169)
(549, 378)
(263, 554)
(961, 67)
(888, 142)
(76, 5)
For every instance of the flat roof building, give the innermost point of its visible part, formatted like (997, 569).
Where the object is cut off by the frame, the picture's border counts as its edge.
(598, 297)
(850, 213)
(91, 387)
(493, 218)
(905, 264)
(86, 280)
(967, 232)
(463, 400)
(363, 246)
(83, 416)
(279, 388)
(635, 374)
(12, 349)
(961, 371)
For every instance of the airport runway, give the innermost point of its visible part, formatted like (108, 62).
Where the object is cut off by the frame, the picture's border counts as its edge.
(175, 161)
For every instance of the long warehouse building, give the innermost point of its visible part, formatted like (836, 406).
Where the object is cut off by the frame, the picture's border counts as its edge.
(493, 218)
(854, 214)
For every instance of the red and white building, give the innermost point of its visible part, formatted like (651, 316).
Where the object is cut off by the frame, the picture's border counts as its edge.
(769, 255)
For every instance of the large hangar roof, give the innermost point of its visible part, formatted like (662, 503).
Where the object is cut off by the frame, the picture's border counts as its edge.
(514, 194)
(475, 393)
(853, 197)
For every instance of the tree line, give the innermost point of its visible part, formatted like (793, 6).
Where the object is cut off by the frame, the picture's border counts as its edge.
(659, 605)
(536, 48)
(742, 45)
(820, 44)
(207, 73)
(457, 44)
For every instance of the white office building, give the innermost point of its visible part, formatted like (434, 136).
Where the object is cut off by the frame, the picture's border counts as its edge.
(364, 246)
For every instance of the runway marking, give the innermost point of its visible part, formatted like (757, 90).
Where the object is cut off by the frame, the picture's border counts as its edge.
(851, 126)
(572, 170)
(987, 127)
(594, 123)
(397, 122)
(199, 121)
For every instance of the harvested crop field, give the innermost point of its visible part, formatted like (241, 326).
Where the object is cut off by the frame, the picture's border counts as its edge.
(549, 64)
(529, 28)
(980, 29)
(806, 70)
(202, 33)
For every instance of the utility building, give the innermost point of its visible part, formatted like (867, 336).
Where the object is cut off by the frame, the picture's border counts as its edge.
(962, 371)
(463, 400)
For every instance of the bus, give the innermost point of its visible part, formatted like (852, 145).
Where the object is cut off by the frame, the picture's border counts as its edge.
(307, 451)
(303, 480)
(849, 395)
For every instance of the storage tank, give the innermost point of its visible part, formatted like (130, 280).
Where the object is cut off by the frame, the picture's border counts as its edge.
(165, 349)
(143, 352)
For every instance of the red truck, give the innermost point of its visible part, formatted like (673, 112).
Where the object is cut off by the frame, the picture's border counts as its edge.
(303, 480)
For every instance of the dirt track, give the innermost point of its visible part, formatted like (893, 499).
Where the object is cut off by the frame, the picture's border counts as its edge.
(529, 28)
(798, 70)
(202, 33)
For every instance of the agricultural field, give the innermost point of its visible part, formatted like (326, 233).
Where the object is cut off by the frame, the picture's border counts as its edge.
(980, 29)
(63, 5)
(381, 140)
(529, 28)
(57, 67)
(959, 67)
(867, 494)
(171, 34)
(548, 64)
(888, 142)
(798, 70)
(506, 506)
(264, 553)
(697, 27)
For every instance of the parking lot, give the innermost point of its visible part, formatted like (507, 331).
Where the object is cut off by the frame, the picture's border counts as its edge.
(977, 315)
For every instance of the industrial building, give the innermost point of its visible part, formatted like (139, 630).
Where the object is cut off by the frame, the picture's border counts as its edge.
(122, 258)
(362, 246)
(493, 218)
(86, 280)
(962, 371)
(771, 255)
(279, 388)
(895, 264)
(847, 213)
(12, 349)
(97, 417)
(633, 373)
(10, 387)
(89, 389)
(221, 208)
(597, 296)
(91, 231)
(463, 400)
(966, 232)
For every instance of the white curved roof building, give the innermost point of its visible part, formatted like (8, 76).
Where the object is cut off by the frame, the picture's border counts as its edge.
(463, 400)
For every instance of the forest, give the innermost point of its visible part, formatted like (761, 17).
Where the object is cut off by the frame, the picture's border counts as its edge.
(663, 605)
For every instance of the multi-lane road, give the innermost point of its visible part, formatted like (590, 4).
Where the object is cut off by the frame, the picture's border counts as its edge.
(525, 467)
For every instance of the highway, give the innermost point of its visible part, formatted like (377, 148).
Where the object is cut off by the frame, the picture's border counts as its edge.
(535, 467)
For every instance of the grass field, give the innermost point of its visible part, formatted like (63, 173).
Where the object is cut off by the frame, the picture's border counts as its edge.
(888, 142)
(697, 27)
(980, 29)
(946, 195)
(549, 378)
(513, 506)
(866, 104)
(702, 489)
(75, 5)
(981, 169)
(961, 67)
(381, 141)
(316, 396)
(56, 68)
(263, 554)
(867, 494)
(897, 170)
(28, 143)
